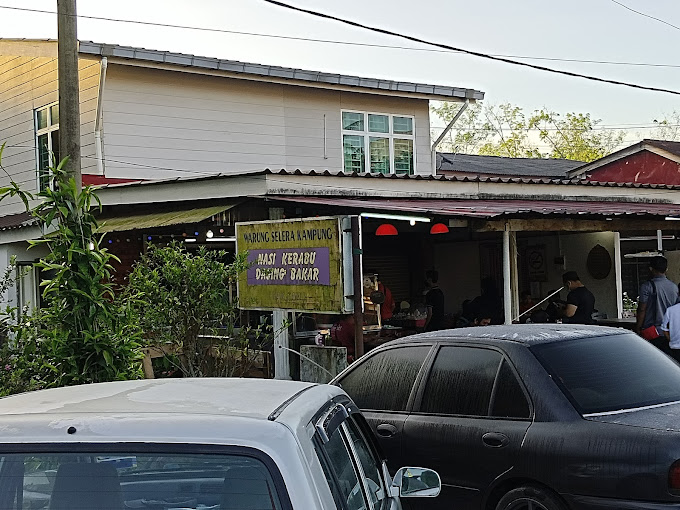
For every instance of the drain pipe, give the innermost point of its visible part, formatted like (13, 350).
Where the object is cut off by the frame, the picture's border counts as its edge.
(98, 144)
(446, 132)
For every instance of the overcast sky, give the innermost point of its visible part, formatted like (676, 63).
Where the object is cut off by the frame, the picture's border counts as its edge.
(575, 29)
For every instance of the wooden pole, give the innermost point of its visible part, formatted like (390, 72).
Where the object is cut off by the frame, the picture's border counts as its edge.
(69, 92)
(358, 280)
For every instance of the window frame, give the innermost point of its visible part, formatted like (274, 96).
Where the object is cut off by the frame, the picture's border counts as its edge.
(48, 130)
(367, 135)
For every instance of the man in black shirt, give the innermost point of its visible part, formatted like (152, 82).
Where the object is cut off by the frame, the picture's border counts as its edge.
(580, 301)
(434, 299)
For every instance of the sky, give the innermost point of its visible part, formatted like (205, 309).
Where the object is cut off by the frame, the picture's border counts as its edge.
(576, 29)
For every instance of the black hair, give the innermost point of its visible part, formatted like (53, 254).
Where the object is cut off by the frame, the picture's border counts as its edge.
(570, 276)
(659, 263)
(432, 275)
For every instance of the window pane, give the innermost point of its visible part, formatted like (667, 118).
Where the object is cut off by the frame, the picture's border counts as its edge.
(369, 463)
(353, 147)
(54, 138)
(461, 381)
(509, 400)
(54, 112)
(379, 150)
(403, 156)
(98, 480)
(384, 381)
(352, 121)
(378, 123)
(42, 118)
(341, 463)
(402, 125)
(611, 372)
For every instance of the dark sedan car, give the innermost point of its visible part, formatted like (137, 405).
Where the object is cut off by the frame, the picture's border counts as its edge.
(549, 417)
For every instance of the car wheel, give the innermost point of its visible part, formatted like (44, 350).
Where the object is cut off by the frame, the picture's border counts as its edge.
(530, 498)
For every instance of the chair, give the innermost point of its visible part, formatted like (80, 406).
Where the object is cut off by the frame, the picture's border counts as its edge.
(86, 486)
(247, 488)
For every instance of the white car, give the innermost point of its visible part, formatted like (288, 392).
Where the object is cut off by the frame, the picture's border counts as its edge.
(209, 444)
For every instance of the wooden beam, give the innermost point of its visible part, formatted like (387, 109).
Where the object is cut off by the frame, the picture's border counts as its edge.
(571, 225)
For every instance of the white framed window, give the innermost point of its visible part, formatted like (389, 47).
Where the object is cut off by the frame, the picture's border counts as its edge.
(378, 143)
(46, 142)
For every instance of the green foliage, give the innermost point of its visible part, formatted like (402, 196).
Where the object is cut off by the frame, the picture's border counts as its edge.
(188, 309)
(84, 334)
(505, 130)
(668, 128)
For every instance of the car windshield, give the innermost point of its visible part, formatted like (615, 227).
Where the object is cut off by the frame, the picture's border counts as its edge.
(610, 373)
(102, 480)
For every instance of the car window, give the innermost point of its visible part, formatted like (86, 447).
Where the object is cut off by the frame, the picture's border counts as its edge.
(384, 381)
(509, 401)
(370, 463)
(104, 480)
(461, 381)
(340, 472)
(612, 372)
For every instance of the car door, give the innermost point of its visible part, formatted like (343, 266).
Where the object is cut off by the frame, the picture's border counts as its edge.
(383, 386)
(468, 422)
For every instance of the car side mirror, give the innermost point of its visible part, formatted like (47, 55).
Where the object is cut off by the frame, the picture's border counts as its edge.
(414, 482)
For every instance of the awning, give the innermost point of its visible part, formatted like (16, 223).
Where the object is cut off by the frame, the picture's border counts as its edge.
(14, 221)
(492, 208)
(160, 219)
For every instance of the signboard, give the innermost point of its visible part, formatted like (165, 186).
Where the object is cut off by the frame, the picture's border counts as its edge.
(536, 263)
(294, 265)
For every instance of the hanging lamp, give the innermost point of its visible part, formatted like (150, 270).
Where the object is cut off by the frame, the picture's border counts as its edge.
(386, 229)
(439, 228)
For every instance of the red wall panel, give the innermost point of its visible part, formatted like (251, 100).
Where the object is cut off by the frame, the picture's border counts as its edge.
(643, 167)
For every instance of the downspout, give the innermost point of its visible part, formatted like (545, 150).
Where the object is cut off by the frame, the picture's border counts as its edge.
(446, 132)
(98, 144)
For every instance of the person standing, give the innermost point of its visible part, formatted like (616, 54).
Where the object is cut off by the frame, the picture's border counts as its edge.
(580, 301)
(656, 295)
(671, 330)
(434, 299)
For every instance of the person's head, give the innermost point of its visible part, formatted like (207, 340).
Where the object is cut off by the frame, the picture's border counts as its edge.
(431, 277)
(658, 265)
(571, 280)
(482, 318)
(349, 319)
(525, 297)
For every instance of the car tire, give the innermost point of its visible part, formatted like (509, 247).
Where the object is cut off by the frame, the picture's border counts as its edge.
(529, 497)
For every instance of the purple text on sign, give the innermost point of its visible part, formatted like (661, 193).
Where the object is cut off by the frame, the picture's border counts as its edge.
(289, 266)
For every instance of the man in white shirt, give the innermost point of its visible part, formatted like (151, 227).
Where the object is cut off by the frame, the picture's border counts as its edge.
(671, 329)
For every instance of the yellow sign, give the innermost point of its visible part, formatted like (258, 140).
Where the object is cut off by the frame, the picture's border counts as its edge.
(294, 265)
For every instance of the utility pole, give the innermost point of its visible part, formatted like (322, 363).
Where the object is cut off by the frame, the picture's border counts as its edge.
(69, 83)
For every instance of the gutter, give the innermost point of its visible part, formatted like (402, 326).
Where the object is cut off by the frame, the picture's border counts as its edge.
(446, 132)
(98, 143)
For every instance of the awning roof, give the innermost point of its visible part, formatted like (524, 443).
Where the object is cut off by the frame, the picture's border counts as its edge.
(490, 208)
(160, 219)
(14, 221)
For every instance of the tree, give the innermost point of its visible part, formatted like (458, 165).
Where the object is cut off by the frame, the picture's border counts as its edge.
(505, 130)
(186, 296)
(668, 128)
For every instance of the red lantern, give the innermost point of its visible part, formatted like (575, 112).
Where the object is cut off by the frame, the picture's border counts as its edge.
(386, 229)
(439, 228)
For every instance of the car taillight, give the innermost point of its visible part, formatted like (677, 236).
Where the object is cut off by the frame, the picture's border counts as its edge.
(674, 477)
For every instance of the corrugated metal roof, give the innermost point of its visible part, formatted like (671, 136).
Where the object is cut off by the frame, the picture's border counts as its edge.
(500, 166)
(161, 219)
(486, 208)
(15, 221)
(259, 70)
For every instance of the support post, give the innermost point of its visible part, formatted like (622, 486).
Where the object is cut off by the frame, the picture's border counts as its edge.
(659, 241)
(69, 92)
(281, 345)
(617, 271)
(357, 278)
(507, 277)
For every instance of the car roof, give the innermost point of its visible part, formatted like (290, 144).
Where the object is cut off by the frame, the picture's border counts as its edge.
(250, 398)
(527, 334)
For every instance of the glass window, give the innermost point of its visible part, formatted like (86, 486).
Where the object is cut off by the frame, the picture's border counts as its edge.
(380, 155)
(353, 147)
(612, 372)
(402, 125)
(403, 156)
(339, 460)
(54, 114)
(369, 463)
(47, 142)
(509, 400)
(384, 381)
(42, 120)
(352, 121)
(130, 480)
(378, 123)
(461, 381)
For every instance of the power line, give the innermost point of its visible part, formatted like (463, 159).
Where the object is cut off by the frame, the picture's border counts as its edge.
(350, 43)
(647, 15)
(470, 52)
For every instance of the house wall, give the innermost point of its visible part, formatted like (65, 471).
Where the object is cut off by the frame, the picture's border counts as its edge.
(160, 123)
(28, 81)
(644, 167)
